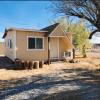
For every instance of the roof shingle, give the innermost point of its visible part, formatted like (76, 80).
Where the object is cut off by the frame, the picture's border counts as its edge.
(50, 28)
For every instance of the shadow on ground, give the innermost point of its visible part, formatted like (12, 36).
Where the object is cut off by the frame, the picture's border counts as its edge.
(82, 86)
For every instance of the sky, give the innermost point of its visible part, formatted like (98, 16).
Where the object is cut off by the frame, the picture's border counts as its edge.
(26, 14)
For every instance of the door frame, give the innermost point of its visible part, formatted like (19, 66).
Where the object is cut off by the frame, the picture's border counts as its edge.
(57, 49)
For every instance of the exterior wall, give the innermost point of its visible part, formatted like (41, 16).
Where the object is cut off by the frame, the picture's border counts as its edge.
(23, 53)
(64, 45)
(58, 31)
(21, 44)
(71, 46)
(65, 41)
(2, 49)
(20, 50)
(10, 52)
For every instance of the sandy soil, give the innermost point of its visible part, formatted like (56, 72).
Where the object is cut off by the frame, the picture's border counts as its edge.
(83, 63)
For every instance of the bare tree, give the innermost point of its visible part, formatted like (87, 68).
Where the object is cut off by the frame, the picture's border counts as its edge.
(86, 9)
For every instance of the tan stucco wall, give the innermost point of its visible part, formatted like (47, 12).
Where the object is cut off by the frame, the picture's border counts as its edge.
(58, 31)
(2, 48)
(10, 52)
(21, 51)
(21, 44)
(65, 41)
(64, 45)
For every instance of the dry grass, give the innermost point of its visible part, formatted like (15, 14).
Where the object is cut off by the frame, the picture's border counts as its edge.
(90, 63)
(54, 77)
(83, 63)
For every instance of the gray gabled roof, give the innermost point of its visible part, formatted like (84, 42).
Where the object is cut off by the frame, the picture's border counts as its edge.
(20, 29)
(46, 30)
(50, 28)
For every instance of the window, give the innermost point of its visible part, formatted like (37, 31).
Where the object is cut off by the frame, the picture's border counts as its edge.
(67, 54)
(9, 43)
(39, 43)
(35, 43)
(31, 43)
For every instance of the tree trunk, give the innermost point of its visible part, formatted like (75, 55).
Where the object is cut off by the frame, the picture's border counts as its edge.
(73, 53)
(84, 51)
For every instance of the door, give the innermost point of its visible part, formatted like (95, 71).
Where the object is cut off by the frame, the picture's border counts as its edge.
(54, 48)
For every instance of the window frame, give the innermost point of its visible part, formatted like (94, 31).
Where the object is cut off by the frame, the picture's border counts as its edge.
(35, 42)
(8, 45)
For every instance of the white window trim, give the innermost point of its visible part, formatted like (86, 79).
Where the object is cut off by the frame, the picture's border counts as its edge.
(35, 37)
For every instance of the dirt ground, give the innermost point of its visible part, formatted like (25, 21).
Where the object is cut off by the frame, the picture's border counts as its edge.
(57, 81)
(83, 63)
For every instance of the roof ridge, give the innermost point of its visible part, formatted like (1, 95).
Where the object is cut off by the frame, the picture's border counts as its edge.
(51, 25)
(50, 28)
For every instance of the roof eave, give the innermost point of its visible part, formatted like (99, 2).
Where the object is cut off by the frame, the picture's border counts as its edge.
(17, 29)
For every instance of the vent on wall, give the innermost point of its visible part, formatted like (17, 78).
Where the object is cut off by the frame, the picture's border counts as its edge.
(67, 54)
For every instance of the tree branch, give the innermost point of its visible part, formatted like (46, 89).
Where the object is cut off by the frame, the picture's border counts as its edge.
(92, 33)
